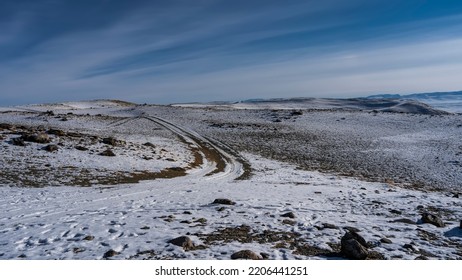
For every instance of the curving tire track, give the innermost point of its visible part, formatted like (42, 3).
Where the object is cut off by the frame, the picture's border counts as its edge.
(213, 160)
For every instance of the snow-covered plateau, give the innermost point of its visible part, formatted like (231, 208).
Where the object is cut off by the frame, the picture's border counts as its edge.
(261, 180)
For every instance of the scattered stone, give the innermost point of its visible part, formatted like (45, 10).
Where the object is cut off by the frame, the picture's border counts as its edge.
(41, 138)
(289, 222)
(421, 258)
(6, 126)
(288, 215)
(351, 229)
(18, 142)
(51, 148)
(404, 221)
(81, 148)
(149, 144)
(89, 238)
(110, 141)
(386, 241)
(57, 132)
(428, 218)
(224, 201)
(145, 228)
(49, 113)
(221, 209)
(183, 241)
(109, 254)
(64, 119)
(409, 247)
(201, 221)
(77, 250)
(187, 213)
(329, 226)
(107, 153)
(353, 246)
(246, 255)
(397, 212)
(265, 256)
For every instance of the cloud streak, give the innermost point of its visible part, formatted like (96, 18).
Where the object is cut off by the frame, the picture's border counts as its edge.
(176, 51)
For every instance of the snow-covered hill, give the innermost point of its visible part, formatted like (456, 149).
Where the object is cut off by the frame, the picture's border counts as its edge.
(447, 101)
(225, 180)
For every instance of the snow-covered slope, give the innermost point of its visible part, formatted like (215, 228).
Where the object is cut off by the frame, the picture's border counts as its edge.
(447, 101)
(196, 155)
(354, 104)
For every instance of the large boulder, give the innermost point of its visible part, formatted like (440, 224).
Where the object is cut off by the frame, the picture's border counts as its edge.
(353, 246)
(428, 218)
(246, 255)
(182, 241)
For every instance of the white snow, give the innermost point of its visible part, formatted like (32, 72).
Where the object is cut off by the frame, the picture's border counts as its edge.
(137, 220)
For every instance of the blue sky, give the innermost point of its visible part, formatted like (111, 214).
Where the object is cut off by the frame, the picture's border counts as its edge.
(209, 50)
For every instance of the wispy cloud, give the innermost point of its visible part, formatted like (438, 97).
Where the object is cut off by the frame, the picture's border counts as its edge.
(174, 51)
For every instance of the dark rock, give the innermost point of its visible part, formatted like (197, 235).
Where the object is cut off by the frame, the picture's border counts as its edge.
(187, 213)
(18, 142)
(77, 250)
(289, 222)
(265, 256)
(421, 258)
(351, 229)
(183, 241)
(404, 221)
(49, 113)
(386, 241)
(64, 119)
(428, 218)
(329, 226)
(409, 247)
(81, 148)
(353, 246)
(41, 138)
(149, 144)
(89, 238)
(56, 132)
(6, 126)
(107, 153)
(201, 221)
(397, 212)
(51, 148)
(109, 254)
(352, 249)
(288, 215)
(246, 255)
(145, 228)
(224, 201)
(296, 113)
(460, 225)
(110, 141)
(220, 209)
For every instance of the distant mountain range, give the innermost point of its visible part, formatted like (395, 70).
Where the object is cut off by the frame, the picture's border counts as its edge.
(447, 101)
(419, 96)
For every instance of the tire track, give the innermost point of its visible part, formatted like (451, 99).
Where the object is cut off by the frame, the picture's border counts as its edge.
(213, 160)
